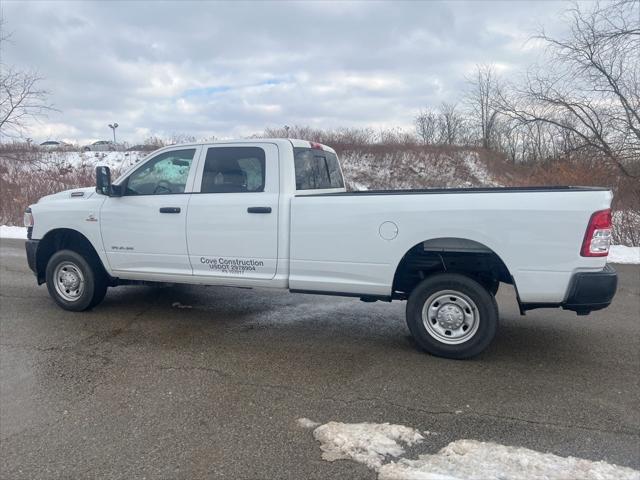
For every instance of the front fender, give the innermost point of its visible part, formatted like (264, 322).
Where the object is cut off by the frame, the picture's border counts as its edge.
(81, 216)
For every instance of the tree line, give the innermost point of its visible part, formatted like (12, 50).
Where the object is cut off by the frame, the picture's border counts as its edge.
(582, 101)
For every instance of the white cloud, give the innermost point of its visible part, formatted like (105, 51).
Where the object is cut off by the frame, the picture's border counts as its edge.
(227, 69)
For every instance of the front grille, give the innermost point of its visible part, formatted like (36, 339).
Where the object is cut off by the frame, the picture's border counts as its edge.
(29, 232)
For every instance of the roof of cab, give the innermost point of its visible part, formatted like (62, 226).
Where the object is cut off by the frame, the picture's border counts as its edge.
(295, 142)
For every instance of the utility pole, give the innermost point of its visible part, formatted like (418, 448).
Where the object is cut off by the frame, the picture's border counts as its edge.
(113, 127)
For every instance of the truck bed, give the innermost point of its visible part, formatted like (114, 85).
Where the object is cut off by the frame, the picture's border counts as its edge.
(354, 241)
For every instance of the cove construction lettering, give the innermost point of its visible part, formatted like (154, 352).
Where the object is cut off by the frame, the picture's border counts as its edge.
(236, 266)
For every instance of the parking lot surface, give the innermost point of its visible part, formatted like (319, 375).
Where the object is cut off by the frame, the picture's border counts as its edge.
(207, 382)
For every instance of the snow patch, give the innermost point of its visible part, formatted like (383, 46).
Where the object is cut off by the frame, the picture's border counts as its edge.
(408, 169)
(358, 187)
(119, 160)
(372, 444)
(478, 171)
(623, 254)
(367, 443)
(306, 423)
(8, 231)
(473, 460)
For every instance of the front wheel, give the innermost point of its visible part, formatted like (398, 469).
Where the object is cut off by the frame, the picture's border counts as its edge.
(452, 316)
(73, 282)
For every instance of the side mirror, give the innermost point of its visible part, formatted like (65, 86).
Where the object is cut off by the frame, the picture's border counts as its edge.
(103, 180)
(103, 183)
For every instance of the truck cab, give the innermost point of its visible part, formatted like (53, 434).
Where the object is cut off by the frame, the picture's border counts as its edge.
(207, 213)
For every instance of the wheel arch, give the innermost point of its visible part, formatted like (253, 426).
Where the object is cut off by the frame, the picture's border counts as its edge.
(64, 239)
(449, 254)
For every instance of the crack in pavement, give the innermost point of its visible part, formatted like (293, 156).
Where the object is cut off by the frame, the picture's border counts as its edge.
(306, 393)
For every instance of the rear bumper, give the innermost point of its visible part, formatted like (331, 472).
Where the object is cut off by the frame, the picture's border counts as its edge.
(588, 291)
(32, 248)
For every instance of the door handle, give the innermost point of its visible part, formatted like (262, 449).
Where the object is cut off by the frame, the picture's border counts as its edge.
(259, 209)
(169, 209)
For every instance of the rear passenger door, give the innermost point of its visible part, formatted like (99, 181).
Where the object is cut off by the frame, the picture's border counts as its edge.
(232, 219)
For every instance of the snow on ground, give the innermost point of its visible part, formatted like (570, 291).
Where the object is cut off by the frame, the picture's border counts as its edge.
(473, 460)
(357, 186)
(408, 169)
(306, 423)
(368, 443)
(373, 445)
(7, 231)
(77, 160)
(119, 160)
(478, 171)
(623, 254)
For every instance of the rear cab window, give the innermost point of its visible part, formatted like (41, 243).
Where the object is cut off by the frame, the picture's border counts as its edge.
(316, 169)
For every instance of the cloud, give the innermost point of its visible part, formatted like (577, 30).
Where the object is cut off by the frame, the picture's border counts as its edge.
(231, 69)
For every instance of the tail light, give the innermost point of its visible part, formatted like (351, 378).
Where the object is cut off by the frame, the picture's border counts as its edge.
(28, 221)
(316, 146)
(598, 235)
(28, 218)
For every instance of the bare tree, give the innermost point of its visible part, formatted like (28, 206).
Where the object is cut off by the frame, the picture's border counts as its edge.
(181, 137)
(590, 88)
(481, 100)
(427, 126)
(451, 123)
(22, 100)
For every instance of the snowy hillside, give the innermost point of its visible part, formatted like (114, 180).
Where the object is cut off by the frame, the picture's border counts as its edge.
(410, 169)
(76, 160)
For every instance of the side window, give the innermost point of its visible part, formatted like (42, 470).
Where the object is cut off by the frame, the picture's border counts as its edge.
(233, 169)
(165, 174)
(316, 169)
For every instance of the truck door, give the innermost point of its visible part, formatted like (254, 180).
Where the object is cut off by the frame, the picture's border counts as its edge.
(143, 231)
(232, 222)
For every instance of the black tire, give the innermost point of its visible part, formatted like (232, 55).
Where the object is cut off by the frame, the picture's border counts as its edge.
(94, 284)
(472, 341)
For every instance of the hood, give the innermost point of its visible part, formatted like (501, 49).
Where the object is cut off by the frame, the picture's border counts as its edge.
(75, 194)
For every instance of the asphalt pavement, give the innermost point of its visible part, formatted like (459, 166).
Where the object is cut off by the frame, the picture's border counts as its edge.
(206, 382)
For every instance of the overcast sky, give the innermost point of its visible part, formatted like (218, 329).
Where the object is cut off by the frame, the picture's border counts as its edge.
(232, 69)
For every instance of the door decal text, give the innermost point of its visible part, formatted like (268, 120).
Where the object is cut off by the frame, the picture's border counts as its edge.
(234, 266)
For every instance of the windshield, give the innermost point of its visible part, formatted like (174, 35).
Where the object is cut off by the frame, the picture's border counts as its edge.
(316, 169)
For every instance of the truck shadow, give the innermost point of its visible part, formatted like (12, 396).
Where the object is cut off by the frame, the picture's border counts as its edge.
(181, 315)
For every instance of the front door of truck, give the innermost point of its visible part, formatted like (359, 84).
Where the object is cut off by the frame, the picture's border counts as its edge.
(232, 222)
(143, 231)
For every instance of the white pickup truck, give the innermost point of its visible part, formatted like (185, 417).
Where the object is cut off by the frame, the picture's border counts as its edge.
(275, 213)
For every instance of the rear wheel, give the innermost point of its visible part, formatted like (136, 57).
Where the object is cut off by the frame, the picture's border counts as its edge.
(452, 316)
(75, 282)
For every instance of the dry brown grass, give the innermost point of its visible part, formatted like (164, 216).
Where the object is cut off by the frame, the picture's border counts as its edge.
(20, 188)
(28, 175)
